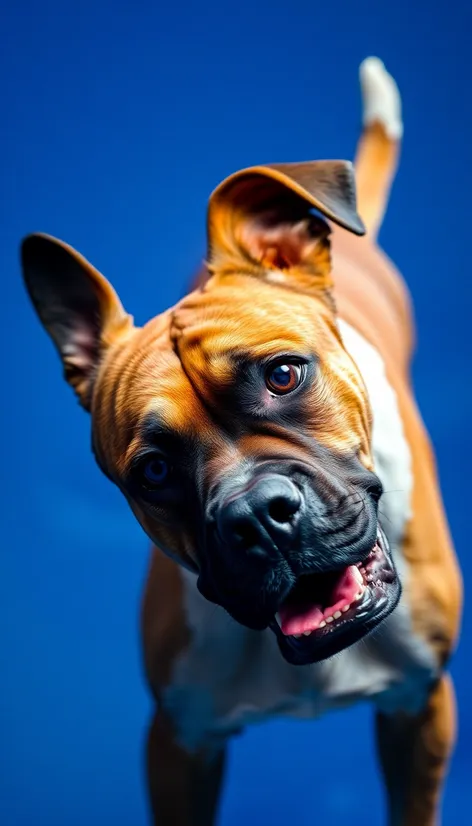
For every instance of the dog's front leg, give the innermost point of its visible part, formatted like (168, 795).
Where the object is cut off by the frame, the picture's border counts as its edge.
(414, 753)
(184, 788)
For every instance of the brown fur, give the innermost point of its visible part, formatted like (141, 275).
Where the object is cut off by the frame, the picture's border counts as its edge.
(269, 263)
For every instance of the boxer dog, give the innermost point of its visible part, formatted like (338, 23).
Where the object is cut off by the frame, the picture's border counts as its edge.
(265, 434)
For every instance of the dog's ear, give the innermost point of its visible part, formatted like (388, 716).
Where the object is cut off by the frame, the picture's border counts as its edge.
(262, 219)
(76, 304)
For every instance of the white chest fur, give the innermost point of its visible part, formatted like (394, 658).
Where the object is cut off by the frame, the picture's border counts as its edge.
(230, 676)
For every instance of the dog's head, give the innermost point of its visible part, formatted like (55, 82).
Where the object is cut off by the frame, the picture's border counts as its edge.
(236, 424)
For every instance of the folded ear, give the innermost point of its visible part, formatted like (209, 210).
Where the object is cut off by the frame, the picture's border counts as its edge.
(76, 304)
(261, 218)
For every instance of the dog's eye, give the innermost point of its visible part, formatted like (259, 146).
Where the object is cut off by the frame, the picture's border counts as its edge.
(284, 377)
(155, 472)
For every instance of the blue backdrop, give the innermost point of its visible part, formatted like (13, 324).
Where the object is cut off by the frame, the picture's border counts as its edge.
(117, 121)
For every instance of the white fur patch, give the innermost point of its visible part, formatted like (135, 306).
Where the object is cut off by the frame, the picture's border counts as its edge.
(389, 446)
(230, 676)
(381, 98)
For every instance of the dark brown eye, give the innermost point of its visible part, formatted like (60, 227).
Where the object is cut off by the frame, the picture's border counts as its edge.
(283, 378)
(155, 472)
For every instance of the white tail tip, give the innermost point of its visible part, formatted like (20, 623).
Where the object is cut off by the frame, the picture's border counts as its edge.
(381, 98)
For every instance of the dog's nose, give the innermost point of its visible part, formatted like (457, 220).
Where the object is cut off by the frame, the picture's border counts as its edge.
(263, 519)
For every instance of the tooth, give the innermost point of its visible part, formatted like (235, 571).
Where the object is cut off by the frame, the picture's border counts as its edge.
(306, 633)
(357, 575)
(297, 636)
(277, 617)
(322, 624)
(329, 619)
(337, 614)
(359, 595)
(345, 608)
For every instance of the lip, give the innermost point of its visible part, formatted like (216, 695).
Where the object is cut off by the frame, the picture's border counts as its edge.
(380, 594)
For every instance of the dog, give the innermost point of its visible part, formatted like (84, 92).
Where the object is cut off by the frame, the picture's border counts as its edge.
(265, 434)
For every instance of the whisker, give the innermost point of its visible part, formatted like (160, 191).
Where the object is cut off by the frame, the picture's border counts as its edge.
(384, 516)
(344, 502)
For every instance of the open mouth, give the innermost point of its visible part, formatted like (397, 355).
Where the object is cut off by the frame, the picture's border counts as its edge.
(326, 612)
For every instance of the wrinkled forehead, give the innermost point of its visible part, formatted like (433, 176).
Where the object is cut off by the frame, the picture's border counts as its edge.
(146, 400)
(171, 379)
(248, 318)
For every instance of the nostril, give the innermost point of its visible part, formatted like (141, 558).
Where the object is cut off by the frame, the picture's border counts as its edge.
(245, 534)
(282, 509)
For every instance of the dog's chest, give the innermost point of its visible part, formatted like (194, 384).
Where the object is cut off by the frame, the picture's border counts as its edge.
(230, 676)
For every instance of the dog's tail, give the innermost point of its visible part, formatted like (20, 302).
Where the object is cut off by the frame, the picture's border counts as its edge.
(378, 148)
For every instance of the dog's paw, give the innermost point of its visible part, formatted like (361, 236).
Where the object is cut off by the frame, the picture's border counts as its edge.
(381, 98)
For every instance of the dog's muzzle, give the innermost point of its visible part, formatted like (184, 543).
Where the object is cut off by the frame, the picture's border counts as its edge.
(320, 575)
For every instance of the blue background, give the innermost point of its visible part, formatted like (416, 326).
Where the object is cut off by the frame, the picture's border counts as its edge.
(117, 121)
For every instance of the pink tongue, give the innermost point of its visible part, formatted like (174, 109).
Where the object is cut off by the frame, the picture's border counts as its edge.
(296, 619)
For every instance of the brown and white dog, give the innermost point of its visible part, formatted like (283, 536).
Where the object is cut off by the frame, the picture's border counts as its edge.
(265, 435)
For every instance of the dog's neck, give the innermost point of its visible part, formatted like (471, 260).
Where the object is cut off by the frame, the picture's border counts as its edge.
(389, 446)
